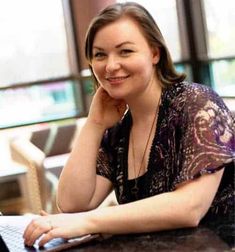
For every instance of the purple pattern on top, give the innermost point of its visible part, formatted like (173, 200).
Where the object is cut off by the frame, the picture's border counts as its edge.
(195, 135)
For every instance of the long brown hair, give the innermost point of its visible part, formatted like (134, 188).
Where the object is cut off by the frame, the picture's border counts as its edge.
(165, 68)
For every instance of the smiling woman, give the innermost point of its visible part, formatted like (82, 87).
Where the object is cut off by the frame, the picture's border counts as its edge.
(155, 139)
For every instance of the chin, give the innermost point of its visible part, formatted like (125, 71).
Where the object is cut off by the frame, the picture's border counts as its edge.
(114, 94)
(117, 95)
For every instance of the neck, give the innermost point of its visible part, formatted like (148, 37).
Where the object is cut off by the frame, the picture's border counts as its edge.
(143, 109)
(143, 104)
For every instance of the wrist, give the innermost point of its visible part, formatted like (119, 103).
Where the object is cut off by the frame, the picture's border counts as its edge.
(95, 125)
(91, 218)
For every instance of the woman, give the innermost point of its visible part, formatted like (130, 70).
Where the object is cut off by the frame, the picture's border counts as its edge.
(165, 146)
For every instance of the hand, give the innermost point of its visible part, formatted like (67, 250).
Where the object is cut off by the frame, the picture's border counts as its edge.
(104, 110)
(48, 227)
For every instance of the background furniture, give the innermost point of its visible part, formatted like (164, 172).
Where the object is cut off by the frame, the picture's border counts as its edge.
(41, 187)
(13, 190)
(43, 153)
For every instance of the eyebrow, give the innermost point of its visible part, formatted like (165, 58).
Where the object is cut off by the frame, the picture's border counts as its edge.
(117, 46)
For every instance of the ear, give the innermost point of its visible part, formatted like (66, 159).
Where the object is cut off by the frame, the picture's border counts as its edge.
(156, 55)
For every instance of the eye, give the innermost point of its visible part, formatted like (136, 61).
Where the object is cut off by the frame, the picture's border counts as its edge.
(126, 52)
(99, 55)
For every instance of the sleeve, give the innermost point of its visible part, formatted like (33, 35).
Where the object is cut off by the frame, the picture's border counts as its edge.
(208, 140)
(104, 165)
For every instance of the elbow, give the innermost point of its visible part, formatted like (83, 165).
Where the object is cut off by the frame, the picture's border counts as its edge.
(67, 208)
(194, 217)
(193, 221)
(62, 209)
(64, 206)
(189, 221)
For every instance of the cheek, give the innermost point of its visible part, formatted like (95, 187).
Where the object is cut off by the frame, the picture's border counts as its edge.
(144, 67)
(98, 73)
(97, 70)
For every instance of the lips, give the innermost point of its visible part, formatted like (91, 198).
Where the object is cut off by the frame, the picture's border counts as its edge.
(116, 79)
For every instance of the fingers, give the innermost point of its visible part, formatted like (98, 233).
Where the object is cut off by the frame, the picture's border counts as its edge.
(54, 233)
(35, 230)
(46, 238)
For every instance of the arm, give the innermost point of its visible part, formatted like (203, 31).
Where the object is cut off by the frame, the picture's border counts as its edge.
(183, 207)
(80, 189)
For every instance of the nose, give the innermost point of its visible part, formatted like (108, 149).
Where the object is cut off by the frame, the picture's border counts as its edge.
(112, 64)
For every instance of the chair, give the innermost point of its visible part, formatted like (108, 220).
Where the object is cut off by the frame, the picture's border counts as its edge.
(41, 184)
(60, 139)
(39, 137)
(44, 153)
(56, 143)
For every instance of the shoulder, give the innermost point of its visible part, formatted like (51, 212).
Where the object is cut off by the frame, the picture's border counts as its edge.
(197, 91)
(190, 90)
(196, 104)
(193, 95)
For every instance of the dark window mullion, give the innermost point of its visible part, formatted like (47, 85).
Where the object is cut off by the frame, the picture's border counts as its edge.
(196, 37)
(184, 45)
(74, 54)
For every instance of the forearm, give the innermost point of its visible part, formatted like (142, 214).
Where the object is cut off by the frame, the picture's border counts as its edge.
(156, 213)
(183, 207)
(78, 179)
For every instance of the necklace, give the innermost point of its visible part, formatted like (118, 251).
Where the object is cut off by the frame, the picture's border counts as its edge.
(135, 188)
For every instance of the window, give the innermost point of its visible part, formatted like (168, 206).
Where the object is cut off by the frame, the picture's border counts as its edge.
(38, 103)
(35, 82)
(220, 23)
(223, 72)
(33, 42)
(220, 19)
(38, 60)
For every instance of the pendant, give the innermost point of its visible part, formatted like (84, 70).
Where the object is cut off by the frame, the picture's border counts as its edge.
(135, 189)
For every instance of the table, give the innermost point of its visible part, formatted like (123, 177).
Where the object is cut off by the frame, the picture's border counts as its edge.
(217, 236)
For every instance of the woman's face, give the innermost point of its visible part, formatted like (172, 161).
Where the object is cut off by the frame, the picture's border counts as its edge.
(122, 61)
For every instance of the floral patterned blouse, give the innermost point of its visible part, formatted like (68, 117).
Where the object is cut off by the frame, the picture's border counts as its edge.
(195, 135)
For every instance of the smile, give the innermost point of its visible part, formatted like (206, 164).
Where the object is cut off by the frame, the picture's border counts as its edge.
(116, 79)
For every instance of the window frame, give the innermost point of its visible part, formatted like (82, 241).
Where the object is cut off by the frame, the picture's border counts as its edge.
(74, 65)
(192, 30)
